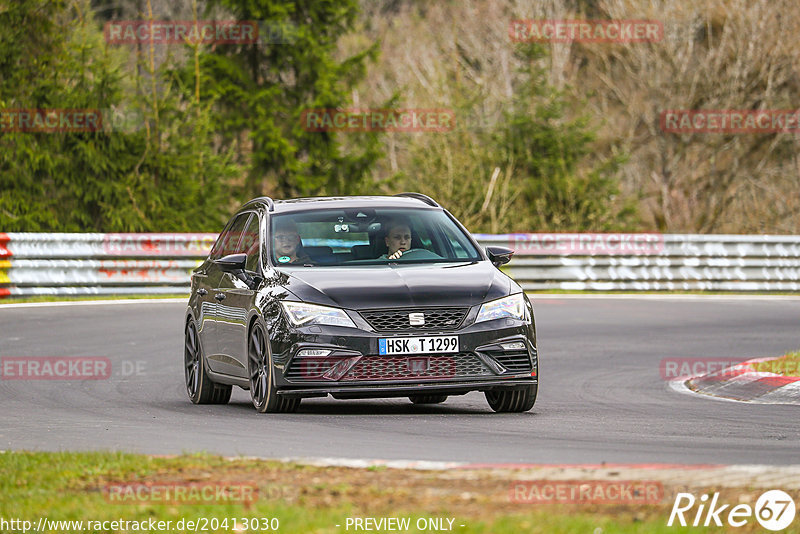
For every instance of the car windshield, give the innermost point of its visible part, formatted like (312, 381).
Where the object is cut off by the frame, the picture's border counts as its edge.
(371, 236)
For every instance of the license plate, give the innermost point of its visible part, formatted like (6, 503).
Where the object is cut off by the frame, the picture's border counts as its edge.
(417, 345)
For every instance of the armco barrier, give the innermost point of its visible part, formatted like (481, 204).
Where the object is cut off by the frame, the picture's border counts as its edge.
(108, 264)
(99, 264)
(652, 262)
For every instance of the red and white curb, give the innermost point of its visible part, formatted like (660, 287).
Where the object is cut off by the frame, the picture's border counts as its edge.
(742, 383)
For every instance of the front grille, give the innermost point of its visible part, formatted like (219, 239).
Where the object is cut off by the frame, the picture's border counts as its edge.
(396, 320)
(437, 366)
(516, 362)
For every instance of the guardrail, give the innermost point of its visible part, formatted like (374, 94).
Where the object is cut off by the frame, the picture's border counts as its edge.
(99, 264)
(124, 264)
(652, 262)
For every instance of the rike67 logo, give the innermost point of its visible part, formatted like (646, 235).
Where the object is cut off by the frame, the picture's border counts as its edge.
(774, 510)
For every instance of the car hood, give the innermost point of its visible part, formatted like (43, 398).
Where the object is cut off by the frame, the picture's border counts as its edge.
(364, 287)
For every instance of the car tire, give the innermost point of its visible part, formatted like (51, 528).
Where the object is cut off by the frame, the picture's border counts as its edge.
(200, 388)
(513, 400)
(262, 384)
(427, 399)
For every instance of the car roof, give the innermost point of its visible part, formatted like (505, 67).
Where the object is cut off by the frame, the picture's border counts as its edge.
(348, 202)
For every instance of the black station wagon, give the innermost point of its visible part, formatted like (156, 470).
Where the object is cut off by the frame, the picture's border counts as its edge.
(356, 297)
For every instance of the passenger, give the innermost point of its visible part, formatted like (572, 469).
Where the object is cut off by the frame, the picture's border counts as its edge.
(287, 244)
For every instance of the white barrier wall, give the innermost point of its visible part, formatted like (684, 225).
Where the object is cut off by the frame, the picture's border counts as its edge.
(81, 264)
(99, 264)
(652, 262)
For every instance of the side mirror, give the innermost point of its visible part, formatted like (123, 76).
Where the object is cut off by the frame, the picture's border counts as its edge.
(232, 262)
(499, 255)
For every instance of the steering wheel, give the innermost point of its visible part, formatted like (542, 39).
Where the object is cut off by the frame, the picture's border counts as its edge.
(419, 254)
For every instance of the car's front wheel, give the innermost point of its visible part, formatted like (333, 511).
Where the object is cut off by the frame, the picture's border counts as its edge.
(427, 399)
(200, 388)
(513, 399)
(262, 388)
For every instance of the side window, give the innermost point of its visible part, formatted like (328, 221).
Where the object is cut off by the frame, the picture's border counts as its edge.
(249, 244)
(216, 250)
(231, 241)
(422, 237)
(461, 247)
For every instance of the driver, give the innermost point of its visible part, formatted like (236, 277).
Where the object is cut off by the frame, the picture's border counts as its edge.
(398, 239)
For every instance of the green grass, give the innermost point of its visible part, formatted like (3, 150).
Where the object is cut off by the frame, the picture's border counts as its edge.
(787, 365)
(69, 486)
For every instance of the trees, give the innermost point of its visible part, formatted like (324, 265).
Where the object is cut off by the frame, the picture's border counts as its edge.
(564, 136)
(529, 170)
(197, 127)
(156, 171)
(259, 92)
(522, 155)
(716, 55)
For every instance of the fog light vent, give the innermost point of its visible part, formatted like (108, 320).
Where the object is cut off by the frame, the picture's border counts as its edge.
(313, 353)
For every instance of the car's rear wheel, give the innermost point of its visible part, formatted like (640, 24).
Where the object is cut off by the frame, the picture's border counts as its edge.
(513, 399)
(200, 388)
(262, 384)
(427, 399)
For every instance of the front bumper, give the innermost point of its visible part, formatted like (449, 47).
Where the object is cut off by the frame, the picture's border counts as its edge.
(481, 364)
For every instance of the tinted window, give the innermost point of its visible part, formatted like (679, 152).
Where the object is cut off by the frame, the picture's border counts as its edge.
(249, 244)
(217, 248)
(368, 236)
(231, 239)
(457, 241)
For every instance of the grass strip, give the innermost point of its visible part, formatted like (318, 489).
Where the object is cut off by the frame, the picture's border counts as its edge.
(86, 487)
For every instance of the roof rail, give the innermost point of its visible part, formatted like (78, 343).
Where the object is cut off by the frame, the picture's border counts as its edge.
(419, 196)
(267, 200)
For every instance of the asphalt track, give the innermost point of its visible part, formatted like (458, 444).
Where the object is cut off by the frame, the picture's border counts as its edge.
(601, 398)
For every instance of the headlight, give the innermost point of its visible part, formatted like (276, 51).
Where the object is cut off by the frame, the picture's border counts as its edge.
(302, 314)
(512, 307)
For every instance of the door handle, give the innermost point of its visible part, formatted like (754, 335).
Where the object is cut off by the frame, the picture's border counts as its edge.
(202, 292)
(220, 296)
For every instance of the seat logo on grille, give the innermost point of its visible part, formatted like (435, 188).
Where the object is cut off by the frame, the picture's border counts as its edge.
(416, 319)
